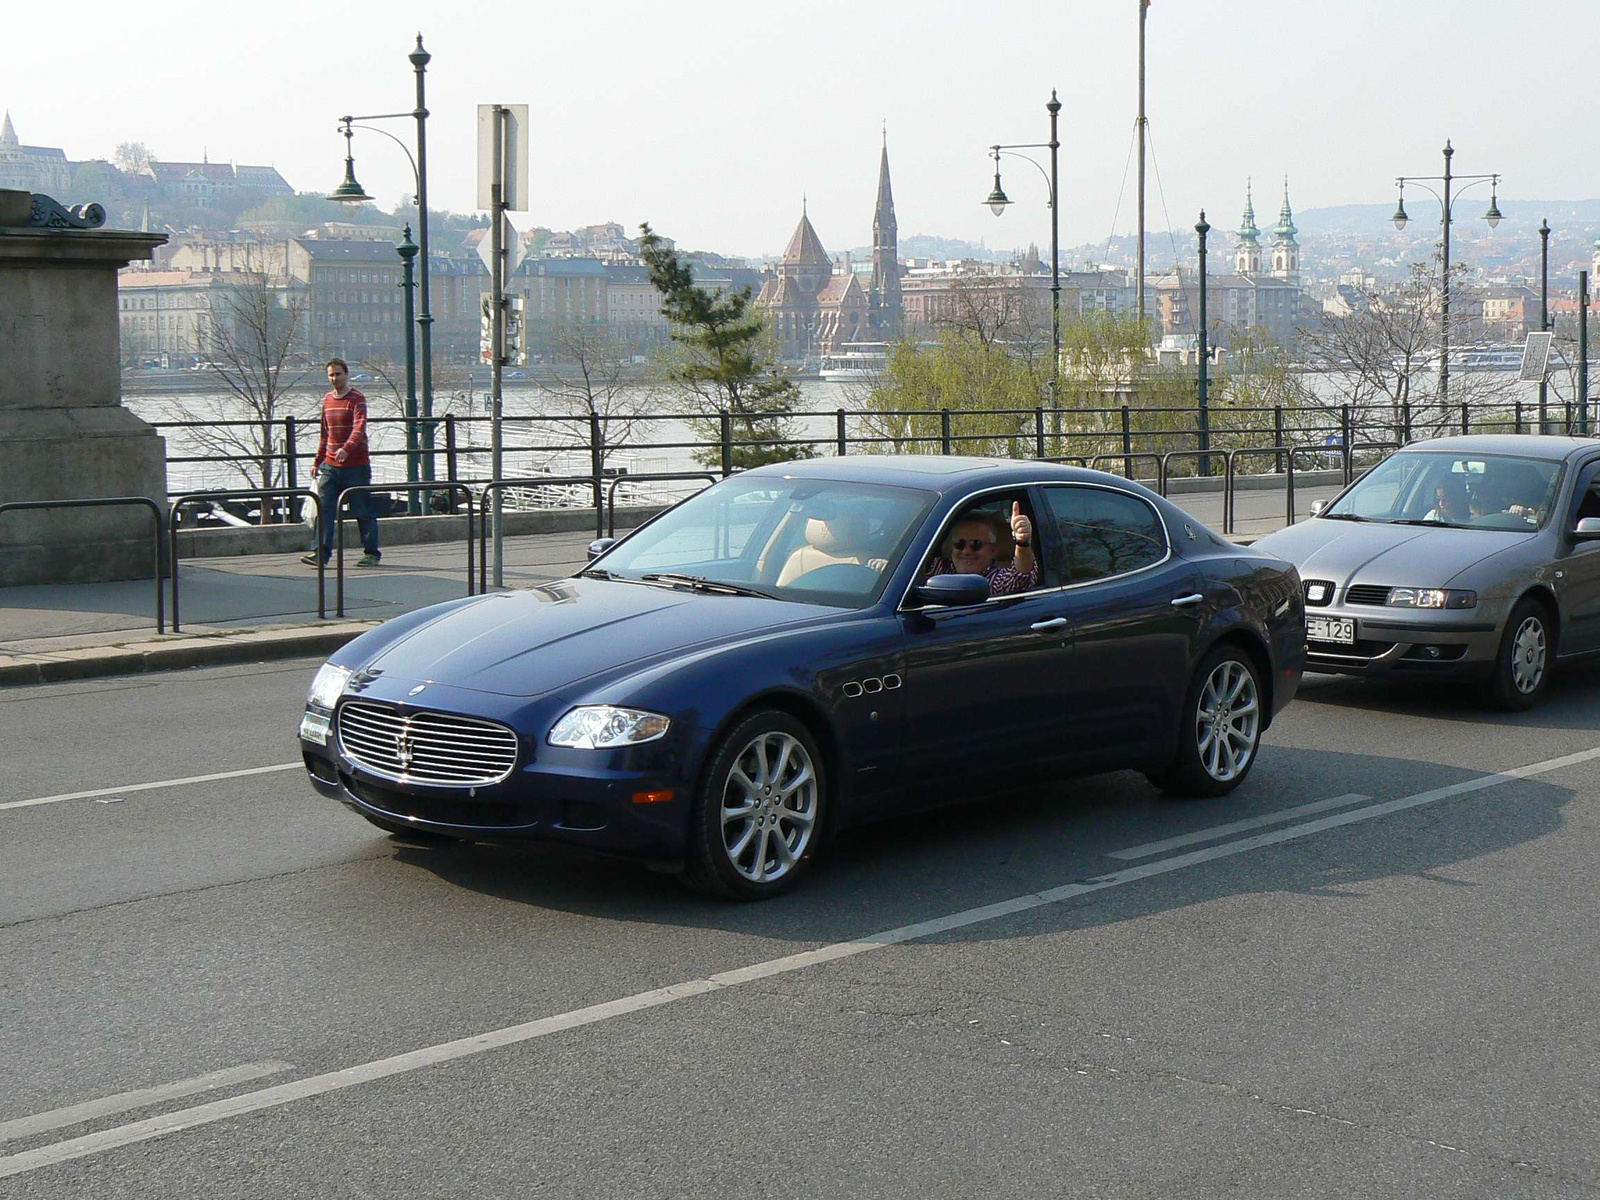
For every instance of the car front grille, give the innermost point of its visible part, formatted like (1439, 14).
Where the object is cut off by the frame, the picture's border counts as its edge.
(1366, 593)
(425, 747)
(1318, 592)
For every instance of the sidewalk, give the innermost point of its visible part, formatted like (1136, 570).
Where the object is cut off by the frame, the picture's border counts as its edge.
(259, 607)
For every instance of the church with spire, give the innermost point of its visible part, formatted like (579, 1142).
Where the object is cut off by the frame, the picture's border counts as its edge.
(816, 306)
(32, 168)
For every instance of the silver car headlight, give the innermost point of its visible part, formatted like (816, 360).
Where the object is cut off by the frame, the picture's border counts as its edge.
(328, 686)
(604, 726)
(1404, 597)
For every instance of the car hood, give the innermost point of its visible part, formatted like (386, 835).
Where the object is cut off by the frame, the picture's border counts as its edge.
(1398, 555)
(534, 640)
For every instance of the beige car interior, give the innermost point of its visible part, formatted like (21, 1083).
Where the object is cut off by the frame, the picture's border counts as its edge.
(838, 539)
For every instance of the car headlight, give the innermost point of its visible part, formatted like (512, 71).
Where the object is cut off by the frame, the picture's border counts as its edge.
(328, 686)
(1403, 597)
(604, 726)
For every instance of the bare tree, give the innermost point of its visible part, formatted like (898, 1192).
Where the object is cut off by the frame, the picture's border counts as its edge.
(252, 341)
(590, 382)
(133, 157)
(1382, 360)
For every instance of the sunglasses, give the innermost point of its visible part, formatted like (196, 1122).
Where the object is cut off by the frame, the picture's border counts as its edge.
(970, 543)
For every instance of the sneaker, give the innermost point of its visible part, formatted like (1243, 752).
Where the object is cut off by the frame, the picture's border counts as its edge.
(312, 559)
(369, 560)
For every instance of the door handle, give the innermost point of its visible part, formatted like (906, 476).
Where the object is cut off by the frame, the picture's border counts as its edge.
(1053, 623)
(1186, 601)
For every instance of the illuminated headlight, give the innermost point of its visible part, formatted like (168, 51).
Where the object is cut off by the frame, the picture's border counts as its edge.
(603, 727)
(1430, 598)
(328, 686)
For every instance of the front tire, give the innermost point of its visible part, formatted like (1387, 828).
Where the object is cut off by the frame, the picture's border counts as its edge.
(1522, 666)
(1219, 728)
(757, 816)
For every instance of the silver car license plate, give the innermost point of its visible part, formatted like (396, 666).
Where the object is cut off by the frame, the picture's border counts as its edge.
(1331, 629)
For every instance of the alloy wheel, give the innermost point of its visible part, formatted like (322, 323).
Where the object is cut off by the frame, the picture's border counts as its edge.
(769, 807)
(1227, 720)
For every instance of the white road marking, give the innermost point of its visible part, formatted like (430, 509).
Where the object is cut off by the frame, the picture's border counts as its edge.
(383, 1068)
(106, 1106)
(1221, 831)
(147, 787)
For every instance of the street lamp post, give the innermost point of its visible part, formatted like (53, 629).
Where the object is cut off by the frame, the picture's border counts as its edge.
(1583, 354)
(351, 192)
(408, 254)
(1446, 202)
(1544, 318)
(997, 203)
(1203, 228)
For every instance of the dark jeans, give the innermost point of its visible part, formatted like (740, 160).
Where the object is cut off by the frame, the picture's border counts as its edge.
(331, 483)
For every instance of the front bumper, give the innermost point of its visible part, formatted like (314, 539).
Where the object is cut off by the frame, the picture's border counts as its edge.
(1419, 642)
(580, 798)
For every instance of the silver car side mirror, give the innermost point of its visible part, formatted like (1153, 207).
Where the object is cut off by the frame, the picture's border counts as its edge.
(1317, 506)
(1587, 529)
(599, 546)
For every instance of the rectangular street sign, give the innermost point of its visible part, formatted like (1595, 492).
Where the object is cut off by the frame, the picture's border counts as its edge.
(514, 167)
(1536, 357)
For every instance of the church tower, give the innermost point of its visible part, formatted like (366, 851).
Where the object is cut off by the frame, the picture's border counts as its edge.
(1247, 257)
(1285, 250)
(884, 304)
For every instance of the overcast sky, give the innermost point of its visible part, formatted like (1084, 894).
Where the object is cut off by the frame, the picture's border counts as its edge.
(712, 119)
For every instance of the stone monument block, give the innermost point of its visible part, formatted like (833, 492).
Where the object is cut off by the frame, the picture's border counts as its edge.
(64, 434)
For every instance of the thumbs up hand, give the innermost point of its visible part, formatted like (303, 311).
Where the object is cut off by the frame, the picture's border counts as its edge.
(1021, 527)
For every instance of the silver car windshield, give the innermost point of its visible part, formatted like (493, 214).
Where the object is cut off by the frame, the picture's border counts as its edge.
(816, 541)
(1477, 491)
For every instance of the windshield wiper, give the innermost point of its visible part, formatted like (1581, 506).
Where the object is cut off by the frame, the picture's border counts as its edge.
(1420, 521)
(1328, 516)
(701, 584)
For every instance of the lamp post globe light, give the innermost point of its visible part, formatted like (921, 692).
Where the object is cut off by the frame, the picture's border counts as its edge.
(419, 427)
(998, 202)
(1447, 204)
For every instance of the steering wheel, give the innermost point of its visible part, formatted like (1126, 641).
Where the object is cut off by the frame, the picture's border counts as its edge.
(837, 577)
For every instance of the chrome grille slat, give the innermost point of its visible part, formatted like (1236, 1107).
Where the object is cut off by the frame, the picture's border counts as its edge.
(442, 748)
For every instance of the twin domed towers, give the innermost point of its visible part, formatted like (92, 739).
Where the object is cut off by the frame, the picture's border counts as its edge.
(1285, 250)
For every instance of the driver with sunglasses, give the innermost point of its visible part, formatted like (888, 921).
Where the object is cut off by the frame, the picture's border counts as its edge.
(975, 541)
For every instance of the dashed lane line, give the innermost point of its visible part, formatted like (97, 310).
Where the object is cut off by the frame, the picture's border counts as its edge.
(149, 787)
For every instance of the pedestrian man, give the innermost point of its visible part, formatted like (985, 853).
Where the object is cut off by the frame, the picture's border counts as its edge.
(342, 462)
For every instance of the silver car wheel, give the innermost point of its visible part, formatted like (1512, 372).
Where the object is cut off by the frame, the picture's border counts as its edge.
(769, 807)
(1528, 653)
(1227, 721)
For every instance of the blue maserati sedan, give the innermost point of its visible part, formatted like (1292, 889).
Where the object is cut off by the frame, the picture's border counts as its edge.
(812, 645)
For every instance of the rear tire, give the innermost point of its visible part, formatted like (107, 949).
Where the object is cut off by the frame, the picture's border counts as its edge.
(1219, 727)
(757, 817)
(1527, 652)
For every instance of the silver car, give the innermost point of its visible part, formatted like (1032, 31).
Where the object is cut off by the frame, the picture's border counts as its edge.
(1463, 556)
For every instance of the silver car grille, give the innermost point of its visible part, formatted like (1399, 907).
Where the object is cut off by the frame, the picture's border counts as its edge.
(425, 747)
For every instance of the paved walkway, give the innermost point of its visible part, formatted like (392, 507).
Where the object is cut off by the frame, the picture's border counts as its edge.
(265, 606)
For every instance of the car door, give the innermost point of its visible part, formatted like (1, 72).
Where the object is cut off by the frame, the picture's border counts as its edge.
(1579, 567)
(983, 689)
(1135, 608)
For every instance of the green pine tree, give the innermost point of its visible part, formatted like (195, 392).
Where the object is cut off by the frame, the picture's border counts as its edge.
(720, 366)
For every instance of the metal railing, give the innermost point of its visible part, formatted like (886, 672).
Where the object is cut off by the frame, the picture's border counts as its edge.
(499, 485)
(180, 502)
(113, 502)
(660, 477)
(365, 489)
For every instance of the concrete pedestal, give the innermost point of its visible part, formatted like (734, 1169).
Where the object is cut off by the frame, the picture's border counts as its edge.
(64, 434)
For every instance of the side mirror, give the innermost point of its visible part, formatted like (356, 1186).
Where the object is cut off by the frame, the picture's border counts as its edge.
(1317, 507)
(1587, 530)
(953, 591)
(599, 546)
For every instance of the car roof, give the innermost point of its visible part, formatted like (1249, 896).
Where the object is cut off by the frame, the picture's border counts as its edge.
(1523, 445)
(934, 472)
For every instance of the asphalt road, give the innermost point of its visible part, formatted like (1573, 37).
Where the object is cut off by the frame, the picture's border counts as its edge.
(231, 987)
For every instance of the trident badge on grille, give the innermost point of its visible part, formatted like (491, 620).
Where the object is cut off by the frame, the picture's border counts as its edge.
(403, 748)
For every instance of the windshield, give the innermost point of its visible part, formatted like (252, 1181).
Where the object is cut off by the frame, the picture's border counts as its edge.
(816, 541)
(1483, 491)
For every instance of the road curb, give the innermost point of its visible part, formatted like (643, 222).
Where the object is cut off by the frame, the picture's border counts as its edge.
(249, 645)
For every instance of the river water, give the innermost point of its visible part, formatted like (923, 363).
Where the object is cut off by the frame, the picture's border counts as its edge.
(539, 439)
